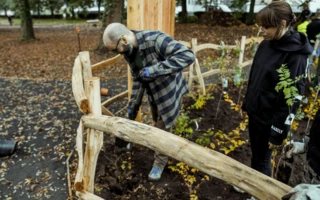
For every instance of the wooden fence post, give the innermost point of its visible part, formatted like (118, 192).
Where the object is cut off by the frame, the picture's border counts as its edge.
(94, 137)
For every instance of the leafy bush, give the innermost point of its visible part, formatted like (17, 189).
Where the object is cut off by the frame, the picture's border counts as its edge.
(187, 19)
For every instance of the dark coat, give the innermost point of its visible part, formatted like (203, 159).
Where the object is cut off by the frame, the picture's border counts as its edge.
(313, 29)
(313, 154)
(262, 102)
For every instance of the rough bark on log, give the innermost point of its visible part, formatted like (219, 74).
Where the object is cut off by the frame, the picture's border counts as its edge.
(77, 87)
(206, 160)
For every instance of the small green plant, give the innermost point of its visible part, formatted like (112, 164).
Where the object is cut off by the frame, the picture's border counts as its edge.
(182, 127)
(287, 85)
(200, 100)
(205, 139)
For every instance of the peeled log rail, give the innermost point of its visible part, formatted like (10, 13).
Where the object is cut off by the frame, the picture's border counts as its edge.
(77, 87)
(94, 137)
(206, 160)
(78, 183)
(106, 63)
(84, 195)
(115, 98)
(86, 64)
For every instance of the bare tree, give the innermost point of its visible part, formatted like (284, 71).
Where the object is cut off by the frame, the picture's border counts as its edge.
(250, 18)
(27, 32)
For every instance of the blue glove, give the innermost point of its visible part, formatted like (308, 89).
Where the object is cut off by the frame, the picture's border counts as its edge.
(145, 72)
(145, 75)
(130, 113)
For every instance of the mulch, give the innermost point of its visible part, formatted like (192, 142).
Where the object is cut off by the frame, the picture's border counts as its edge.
(42, 117)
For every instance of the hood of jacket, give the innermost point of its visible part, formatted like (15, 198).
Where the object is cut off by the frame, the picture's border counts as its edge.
(293, 41)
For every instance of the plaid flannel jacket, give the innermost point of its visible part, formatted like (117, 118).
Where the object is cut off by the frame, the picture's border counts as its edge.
(166, 59)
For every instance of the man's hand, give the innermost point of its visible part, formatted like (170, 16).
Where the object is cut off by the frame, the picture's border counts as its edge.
(295, 147)
(303, 192)
(145, 75)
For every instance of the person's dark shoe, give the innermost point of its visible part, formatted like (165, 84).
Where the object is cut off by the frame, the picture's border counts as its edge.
(155, 173)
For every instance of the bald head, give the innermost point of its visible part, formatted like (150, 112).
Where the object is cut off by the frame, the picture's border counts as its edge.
(112, 34)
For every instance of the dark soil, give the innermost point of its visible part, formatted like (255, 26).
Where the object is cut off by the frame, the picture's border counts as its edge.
(37, 109)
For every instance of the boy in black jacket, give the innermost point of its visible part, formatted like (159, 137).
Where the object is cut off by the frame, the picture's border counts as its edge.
(269, 115)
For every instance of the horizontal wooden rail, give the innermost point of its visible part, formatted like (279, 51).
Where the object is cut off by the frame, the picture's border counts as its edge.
(115, 98)
(106, 63)
(206, 160)
(213, 46)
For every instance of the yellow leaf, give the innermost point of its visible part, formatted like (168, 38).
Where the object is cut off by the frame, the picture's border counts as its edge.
(212, 146)
(243, 126)
(234, 142)
(274, 153)
(240, 142)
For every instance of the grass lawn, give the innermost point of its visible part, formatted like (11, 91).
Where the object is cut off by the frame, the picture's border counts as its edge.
(46, 21)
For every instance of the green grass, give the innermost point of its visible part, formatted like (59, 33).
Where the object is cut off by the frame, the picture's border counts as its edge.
(46, 21)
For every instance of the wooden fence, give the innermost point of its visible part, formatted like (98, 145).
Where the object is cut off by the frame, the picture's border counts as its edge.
(86, 90)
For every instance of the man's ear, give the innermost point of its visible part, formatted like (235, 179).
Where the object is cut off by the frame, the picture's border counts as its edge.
(124, 39)
(283, 23)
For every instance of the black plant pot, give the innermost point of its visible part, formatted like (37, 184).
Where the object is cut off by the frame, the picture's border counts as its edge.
(7, 148)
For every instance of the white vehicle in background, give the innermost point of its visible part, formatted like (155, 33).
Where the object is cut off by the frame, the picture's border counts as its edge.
(193, 6)
(295, 5)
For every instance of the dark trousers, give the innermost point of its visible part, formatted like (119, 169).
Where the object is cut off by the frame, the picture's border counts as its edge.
(160, 159)
(261, 154)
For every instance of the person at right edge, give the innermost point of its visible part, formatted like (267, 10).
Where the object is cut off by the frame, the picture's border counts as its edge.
(269, 116)
(309, 189)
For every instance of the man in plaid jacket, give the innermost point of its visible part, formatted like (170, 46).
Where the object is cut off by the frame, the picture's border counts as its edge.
(156, 62)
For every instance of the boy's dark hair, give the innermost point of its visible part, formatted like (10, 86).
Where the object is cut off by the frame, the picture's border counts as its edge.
(273, 14)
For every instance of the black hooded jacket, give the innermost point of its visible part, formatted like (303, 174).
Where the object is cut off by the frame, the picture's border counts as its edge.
(262, 102)
(313, 154)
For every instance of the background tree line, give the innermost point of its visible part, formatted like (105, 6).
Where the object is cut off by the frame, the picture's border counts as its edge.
(114, 10)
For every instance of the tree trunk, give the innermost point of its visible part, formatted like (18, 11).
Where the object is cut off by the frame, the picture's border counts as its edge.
(99, 5)
(113, 10)
(184, 11)
(73, 16)
(38, 6)
(52, 12)
(250, 18)
(27, 32)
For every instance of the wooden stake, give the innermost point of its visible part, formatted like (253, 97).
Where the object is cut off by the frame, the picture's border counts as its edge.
(84, 195)
(94, 137)
(78, 183)
(68, 174)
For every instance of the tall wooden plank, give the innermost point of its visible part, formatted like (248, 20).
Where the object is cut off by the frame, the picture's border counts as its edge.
(94, 137)
(150, 15)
